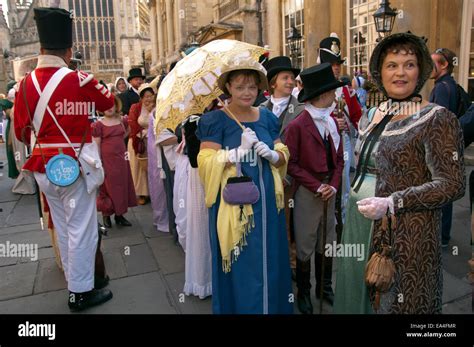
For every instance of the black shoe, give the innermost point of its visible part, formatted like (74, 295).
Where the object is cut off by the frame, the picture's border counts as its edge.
(81, 301)
(101, 282)
(120, 220)
(107, 221)
(304, 303)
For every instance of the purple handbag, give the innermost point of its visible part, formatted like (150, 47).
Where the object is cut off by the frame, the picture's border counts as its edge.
(240, 190)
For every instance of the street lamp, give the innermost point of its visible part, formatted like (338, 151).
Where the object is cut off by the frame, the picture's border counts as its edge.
(384, 18)
(294, 43)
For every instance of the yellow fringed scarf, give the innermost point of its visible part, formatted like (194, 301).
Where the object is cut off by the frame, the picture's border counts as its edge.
(231, 229)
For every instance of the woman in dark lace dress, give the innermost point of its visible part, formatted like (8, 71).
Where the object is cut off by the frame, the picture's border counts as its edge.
(414, 150)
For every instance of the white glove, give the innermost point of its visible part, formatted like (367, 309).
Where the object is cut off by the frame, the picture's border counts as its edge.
(375, 208)
(247, 140)
(264, 151)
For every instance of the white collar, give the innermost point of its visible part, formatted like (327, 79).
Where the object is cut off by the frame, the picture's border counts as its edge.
(45, 61)
(279, 105)
(135, 90)
(280, 101)
(144, 112)
(324, 123)
(319, 113)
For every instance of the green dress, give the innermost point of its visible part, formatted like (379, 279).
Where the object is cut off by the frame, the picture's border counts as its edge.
(351, 295)
(12, 170)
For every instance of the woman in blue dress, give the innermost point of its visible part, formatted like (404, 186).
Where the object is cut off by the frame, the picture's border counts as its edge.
(250, 262)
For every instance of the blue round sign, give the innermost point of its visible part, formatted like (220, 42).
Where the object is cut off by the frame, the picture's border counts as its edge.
(62, 170)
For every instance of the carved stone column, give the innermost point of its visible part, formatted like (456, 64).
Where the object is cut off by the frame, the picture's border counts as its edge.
(153, 34)
(170, 26)
(161, 39)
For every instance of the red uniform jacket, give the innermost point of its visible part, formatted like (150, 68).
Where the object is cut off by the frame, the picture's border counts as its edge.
(71, 103)
(308, 164)
(135, 128)
(352, 108)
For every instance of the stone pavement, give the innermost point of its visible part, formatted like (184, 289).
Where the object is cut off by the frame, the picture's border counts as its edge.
(146, 267)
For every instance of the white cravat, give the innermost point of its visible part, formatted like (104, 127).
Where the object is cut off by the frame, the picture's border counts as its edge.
(324, 122)
(295, 92)
(279, 105)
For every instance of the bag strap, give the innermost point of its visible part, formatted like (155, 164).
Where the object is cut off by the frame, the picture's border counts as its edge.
(367, 149)
(46, 94)
(238, 166)
(45, 97)
(35, 134)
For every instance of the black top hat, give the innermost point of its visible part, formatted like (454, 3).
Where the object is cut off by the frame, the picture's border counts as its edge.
(135, 72)
(277, 65)
(54, 27)
(330, 50)
(316, 81)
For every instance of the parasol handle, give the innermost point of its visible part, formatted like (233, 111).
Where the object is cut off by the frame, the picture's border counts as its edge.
(230, 113)
(223, 103)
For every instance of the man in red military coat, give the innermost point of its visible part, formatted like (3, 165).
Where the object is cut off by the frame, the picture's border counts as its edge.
(348, 119)
(316, 163)
(77, 95)
(330, 52)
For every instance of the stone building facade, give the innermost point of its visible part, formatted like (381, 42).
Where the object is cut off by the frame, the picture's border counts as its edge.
(164, 27)
(172, 26)
(5, 67)
(113, 36)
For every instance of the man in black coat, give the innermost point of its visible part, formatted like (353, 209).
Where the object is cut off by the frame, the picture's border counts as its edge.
(444, 94)
(131, 96)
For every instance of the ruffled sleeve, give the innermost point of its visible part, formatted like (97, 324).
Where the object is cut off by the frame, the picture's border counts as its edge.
(97, 128)
(210, 127)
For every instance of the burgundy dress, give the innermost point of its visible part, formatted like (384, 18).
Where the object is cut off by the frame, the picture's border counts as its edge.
(117, 193)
